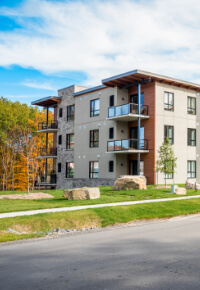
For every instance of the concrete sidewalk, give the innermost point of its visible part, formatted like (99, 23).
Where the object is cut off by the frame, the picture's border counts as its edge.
(61, 209)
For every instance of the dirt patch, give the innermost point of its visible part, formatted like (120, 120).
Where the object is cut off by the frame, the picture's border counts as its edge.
(22, 228)
(162, 187)
(37, 195)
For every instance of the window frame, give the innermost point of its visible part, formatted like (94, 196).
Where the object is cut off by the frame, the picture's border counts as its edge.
(92, 173)
(167, 105)
(69, 142)
(59, 167)
(94, 143)
(92, 110)
(59, 139)
(165, 136)
(189, 108)
(70, 113)
(189, 140)
(191, 172)
(111, 166)
(111, 133)
(60, 112)
(67, 170)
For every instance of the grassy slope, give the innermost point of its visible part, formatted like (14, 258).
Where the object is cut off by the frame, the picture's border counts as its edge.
(107, 196)
(95, 217)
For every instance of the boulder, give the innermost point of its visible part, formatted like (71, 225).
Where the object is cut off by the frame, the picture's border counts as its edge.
(82, 193)
(180, 191)
(190, 184)
(129, 182)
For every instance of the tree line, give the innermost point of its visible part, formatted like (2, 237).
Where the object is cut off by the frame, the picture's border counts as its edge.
(20, 144)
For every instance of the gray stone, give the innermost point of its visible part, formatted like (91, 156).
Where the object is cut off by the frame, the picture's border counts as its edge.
(82, 193)
(12, 231)
(62, 231)
(58, 230)
(68, 230)
(130, 182)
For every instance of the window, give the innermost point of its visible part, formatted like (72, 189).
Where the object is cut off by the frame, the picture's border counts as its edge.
(191, 169)
(191, 137)
(169, 101)
(169, 132)
(93, 169)
(59, 167)
(60, 112)
(94, 108)
(191, 106)
(111, 166)
(111, 133)
(60, 139)
(94, 138)
(70, 141)
(69, 170)
(112, 101)
(70, 113)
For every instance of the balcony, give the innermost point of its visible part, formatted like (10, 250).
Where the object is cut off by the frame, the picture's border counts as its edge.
(50, 179)
(49, 127)
(127, 146)
(128, 112)
(48, 153)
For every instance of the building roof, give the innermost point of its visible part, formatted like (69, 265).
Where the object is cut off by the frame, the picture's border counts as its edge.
(89, 90)
(50, 101)
(139, 76)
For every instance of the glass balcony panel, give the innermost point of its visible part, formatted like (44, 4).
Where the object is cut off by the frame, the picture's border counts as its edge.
(133, 109)
(111, 112)
(111, 146)
(125, 144)
(118, 111)
(118, 145)
(125, 109)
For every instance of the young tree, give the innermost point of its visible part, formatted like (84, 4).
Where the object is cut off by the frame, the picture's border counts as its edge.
(167, 160)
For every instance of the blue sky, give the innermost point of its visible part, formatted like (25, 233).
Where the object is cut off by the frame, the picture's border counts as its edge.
(46, 45)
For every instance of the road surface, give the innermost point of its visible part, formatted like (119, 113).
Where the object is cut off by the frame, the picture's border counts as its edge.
(153, 255)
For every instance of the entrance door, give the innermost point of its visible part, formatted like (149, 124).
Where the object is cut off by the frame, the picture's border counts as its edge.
(133, 167)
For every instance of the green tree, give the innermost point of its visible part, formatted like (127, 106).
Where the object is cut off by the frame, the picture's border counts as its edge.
(167, 160)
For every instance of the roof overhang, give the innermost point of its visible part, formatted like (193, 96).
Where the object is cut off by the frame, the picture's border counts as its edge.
(47, 102)
(140, 76)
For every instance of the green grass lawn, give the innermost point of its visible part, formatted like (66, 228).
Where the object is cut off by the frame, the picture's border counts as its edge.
(107, 196)
(94, 218)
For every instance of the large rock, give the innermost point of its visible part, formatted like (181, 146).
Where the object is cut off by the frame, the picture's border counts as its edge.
(128, 182)
(82, 193)
(190, 184)
(180, 191)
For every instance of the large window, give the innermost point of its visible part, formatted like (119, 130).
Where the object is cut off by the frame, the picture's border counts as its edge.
(94, 108)
(70, 141)
(60, 139)
(191, 137)
(94, 138)
(69, 170)
(191, 106)
(169, 101)
(191, 169)
(169, 133)
(70, 112)
(93, 169)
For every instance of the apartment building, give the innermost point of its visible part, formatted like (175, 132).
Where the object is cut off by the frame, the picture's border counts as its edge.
(116, 129)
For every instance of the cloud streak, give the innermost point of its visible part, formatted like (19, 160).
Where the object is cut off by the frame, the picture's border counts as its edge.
(103, 38)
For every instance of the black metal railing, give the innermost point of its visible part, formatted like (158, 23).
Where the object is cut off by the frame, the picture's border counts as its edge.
(49, 125)
(49, 178)
(127, 109)
(127, 144)
(48, 151)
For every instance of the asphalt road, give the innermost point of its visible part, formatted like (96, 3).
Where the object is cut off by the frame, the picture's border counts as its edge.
(153, 255)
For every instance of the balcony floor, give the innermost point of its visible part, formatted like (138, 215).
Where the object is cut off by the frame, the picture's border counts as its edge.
(47, 131)
(48, 156)
(128, 117)
(128, 151)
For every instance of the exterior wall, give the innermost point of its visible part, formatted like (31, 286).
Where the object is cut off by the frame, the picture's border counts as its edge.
(149, 131)
(83, 124)
(181, 121)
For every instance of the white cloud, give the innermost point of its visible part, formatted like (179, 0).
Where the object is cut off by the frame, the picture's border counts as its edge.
(43, 86)
(103, 38)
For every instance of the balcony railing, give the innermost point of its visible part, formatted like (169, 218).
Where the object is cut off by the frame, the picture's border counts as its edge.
(127, 144)
(48, 126)
(127, 109)
(49, 179)
(48, 152)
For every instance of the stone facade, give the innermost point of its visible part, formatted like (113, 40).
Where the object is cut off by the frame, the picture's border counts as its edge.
(81, 182)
